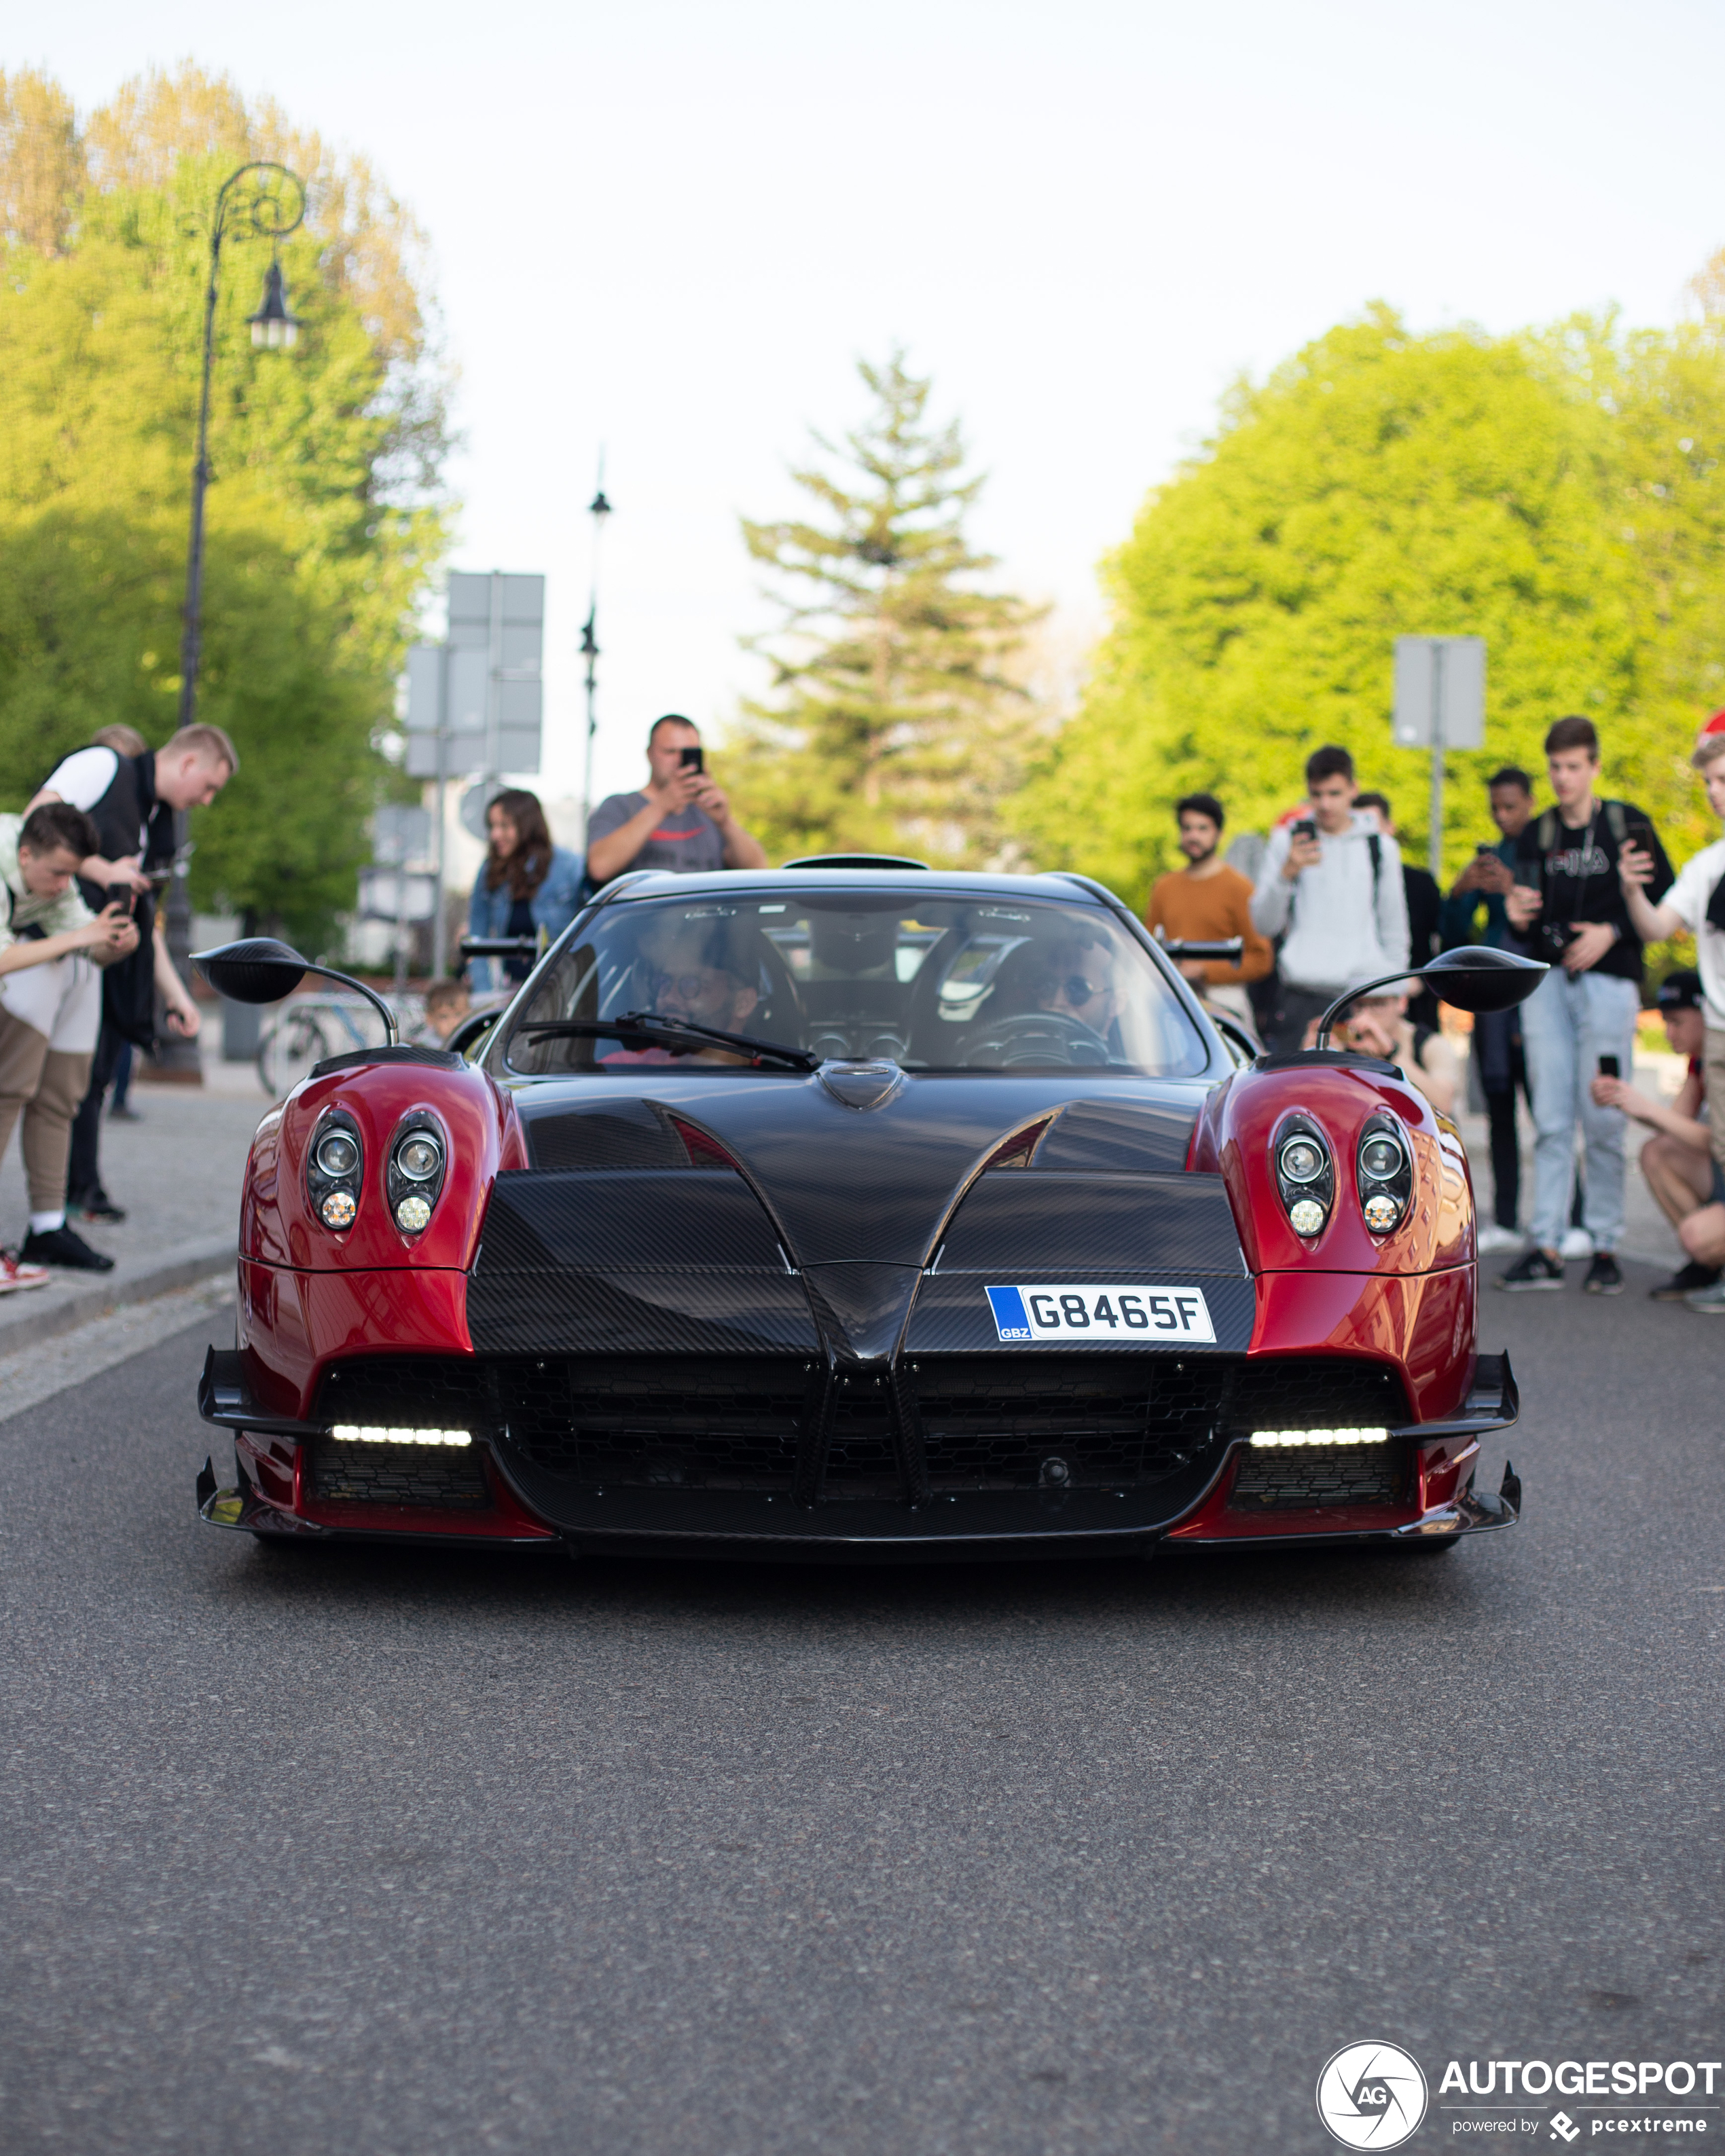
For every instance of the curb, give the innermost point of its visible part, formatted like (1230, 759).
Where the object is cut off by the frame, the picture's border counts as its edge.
(177, 1268)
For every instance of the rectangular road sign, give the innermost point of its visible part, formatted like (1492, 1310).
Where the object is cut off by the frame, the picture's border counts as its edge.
(1440, 679)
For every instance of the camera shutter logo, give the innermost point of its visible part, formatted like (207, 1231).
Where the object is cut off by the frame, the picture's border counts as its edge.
(1372, 2095)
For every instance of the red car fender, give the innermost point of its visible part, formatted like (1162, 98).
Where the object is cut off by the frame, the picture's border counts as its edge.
(277, 1225)
(1235, 1134)
(307, 1293)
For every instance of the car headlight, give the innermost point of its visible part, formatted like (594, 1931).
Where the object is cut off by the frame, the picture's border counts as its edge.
(415, 1166)
(1304, 1171)
(334, 1170)
(1384, 1169)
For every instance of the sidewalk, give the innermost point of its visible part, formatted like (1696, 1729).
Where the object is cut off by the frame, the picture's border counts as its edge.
(177, 1173)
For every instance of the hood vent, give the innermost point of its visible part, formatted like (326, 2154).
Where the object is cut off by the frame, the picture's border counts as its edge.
(861, 1086)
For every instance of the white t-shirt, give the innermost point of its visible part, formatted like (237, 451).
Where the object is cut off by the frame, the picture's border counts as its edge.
(1687, 898)
(86, 775)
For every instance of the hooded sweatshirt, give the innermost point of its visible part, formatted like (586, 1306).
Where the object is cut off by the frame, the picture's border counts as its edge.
(1338, 931)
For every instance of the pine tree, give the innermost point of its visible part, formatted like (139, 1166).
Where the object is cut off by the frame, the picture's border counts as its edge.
(896, 720)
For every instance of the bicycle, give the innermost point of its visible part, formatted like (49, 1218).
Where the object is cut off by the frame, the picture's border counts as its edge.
(309, 1028)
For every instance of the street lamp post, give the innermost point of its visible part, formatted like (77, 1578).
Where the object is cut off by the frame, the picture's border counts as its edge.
(598, 509)
(259, 201)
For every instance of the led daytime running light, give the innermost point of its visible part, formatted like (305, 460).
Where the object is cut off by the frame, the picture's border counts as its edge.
(1280, 1438)
(356, 1433)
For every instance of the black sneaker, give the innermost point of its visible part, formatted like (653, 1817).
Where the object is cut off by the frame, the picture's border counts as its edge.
(60, 1247)
(1685, 1282)
(95, 1205)
(1532, 1269)
(1603, 1277)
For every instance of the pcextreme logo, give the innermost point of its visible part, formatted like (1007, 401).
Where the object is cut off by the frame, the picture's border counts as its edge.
(1372, 2095)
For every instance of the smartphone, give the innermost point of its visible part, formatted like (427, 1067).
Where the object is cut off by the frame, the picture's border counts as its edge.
(1609, 1067)
(692, 759)
(1306, 828)
(1639, 835)
(1485, 846)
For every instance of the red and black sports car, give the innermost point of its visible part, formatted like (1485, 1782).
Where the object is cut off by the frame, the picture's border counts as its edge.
(857, 1210)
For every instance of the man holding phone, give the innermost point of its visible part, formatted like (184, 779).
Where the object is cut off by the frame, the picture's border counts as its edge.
(1568, 908)
(680, 823)
(133, 797)
(1331, 887)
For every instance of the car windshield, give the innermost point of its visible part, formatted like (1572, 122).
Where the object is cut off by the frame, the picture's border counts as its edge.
(930, 983)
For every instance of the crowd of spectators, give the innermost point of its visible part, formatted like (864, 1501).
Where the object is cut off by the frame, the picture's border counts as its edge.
(1328, 905)
(1583, 883)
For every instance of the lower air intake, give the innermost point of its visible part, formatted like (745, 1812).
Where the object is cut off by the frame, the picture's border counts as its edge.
(398, 1475)
(1314, 1477)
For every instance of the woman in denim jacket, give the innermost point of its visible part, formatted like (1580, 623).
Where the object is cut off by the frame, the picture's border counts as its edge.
(526, 884)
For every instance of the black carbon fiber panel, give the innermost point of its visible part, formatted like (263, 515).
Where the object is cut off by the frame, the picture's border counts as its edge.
(951, 1314)
(1110, 1137)
(1297, 1480)
(999, 1422)
(603, 1220)
(1088, 1225)
(615, 1134)
(450, 1477)
(861, 1308)
(719, 1313)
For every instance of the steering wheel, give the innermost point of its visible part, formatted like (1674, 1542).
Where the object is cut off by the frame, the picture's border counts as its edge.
(1076, 1042)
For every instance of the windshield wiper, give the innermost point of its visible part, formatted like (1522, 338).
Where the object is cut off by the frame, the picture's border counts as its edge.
(652, 1026)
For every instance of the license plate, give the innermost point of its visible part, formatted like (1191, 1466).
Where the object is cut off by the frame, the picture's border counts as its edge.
(1145, 1316)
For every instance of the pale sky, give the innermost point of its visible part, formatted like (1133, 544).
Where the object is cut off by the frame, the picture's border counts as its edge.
(672, 229)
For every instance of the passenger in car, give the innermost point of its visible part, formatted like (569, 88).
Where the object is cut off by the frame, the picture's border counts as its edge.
(1077, 981)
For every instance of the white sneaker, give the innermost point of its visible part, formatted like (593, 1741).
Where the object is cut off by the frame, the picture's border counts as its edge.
(1495, 1238)
(1576, 1244)
(14, 1275)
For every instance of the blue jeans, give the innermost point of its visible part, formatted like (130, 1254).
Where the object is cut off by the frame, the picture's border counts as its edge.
(1568, 1023)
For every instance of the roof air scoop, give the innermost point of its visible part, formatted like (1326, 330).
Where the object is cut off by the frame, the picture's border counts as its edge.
(862, 1085)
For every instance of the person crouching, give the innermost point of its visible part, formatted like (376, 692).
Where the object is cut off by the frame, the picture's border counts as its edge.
(52, 951)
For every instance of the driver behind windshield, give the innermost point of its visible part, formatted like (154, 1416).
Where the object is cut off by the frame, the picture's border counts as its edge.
(687, 971)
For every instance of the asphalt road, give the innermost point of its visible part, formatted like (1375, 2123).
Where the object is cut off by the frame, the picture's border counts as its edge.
(342, 1850)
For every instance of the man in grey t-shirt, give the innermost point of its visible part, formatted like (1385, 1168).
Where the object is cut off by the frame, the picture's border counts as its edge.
(681, 824)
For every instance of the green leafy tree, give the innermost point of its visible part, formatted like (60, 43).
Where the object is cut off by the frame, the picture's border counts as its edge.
(1555, 494)
(323, 522)
(897, 717)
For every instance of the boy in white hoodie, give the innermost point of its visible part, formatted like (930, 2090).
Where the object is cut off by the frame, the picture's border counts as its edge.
(1331, 887)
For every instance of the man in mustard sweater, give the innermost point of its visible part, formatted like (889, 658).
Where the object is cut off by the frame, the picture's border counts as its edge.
(1206, 902)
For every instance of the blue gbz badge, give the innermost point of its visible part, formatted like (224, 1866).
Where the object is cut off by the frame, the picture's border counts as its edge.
(1133, 1317)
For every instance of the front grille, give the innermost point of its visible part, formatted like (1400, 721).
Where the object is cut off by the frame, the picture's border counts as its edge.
(452, 1479)
(1303, 1479)
(722, 1423)
(862, 1459)
(1014, 1422)
(1006, 1421)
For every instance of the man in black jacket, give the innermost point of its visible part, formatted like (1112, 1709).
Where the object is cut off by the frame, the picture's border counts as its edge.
(133, 801)
(1568, 908)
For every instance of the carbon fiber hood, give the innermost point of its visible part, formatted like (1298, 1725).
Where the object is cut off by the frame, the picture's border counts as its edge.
(876, 1185)
(766, 1215)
